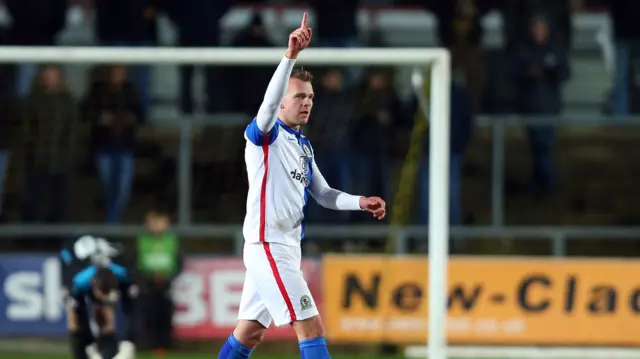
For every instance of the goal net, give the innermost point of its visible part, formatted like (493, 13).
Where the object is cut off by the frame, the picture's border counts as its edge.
(165, 60)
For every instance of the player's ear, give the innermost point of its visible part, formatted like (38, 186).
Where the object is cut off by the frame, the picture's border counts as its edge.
(281, 106)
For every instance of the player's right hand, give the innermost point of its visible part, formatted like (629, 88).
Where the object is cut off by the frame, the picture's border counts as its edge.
(299, 39)
(374, 205)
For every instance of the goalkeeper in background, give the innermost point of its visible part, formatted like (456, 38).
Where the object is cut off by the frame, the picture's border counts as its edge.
(93, 281)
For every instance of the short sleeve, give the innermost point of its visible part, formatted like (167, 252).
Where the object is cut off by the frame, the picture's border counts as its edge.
(121, 272)
(81, 282)
(257, 137)
(66, 257)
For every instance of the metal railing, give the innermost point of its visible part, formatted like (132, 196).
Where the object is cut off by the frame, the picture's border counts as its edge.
(558, 236)
(498, 125)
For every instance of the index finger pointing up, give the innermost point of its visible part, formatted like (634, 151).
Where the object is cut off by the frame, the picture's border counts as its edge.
(304, 21)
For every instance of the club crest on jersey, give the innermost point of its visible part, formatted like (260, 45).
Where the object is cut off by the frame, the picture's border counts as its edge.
(303, 174)
(304, 164)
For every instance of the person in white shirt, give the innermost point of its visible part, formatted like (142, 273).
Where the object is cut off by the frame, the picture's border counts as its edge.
(282, 174)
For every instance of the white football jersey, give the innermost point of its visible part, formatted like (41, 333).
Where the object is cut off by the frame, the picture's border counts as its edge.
(280, 168)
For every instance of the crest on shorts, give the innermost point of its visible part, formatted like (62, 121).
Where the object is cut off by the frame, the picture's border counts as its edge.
(307, 150)
(305, 302)
(304, 164)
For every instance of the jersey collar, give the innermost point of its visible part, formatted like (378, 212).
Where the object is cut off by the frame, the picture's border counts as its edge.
(289, 129)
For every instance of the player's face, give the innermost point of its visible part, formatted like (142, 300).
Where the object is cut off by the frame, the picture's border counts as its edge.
(297, 103)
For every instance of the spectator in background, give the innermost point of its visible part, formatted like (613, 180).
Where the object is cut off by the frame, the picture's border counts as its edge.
(112, 107)
(460, 30)
(129, 23)
(517, 15)
(198, 23)
(539, 72)
(333, 114)
(626, 34)
(158, 263)
(461, 122)
(34, 23)
(245, 98)
(377, 119)
(6, 113)
(50, 126)
(335, 24)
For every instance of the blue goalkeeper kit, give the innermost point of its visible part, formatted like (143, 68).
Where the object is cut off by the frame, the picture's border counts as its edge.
(81, 284)
(81, 293)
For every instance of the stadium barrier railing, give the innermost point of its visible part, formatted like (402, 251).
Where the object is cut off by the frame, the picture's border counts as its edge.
(558, 236)
(497, 125)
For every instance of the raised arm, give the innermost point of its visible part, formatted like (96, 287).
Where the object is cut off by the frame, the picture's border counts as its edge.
(276, 90)
(268, 112)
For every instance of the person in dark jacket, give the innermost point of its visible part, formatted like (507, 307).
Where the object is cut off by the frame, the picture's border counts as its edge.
(626, 35)
(112, 107)
(50, 126)
(333, 111)
(246, 83)
(336, 25)
(6, 130)
(461, 130)
(129, 23)
(198, 23)
(460, 30)
(517, 26)
(377, 120)
(539, 72)
(34, 23)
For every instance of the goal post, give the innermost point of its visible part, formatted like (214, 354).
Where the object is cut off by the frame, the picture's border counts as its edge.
(438, 60)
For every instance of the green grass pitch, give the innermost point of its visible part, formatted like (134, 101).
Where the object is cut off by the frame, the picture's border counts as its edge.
(196, 356)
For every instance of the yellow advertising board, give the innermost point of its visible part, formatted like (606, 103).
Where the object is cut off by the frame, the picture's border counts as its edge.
(511, 301)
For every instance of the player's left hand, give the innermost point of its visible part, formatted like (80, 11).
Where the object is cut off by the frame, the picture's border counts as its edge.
(375, 205)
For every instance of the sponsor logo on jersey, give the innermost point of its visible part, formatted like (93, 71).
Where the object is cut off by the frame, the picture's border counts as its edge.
(300, 177)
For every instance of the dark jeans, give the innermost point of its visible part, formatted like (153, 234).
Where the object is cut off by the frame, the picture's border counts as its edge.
(625, 53)
(455, 178)
(455, 205)
(371, 177)
(4, 164)
(158, 314)
(541, 140)
(334, 165)
(46, 198)
(214, 90)
(116, 173)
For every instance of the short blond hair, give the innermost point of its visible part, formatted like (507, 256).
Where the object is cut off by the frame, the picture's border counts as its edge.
(301, 74)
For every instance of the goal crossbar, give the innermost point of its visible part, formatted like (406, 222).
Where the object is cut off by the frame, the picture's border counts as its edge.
(218, 55)
(437, 108)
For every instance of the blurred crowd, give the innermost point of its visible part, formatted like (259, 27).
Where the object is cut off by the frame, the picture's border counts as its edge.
(361, 125)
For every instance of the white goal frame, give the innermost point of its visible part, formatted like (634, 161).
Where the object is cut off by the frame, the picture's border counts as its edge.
(437, 59)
